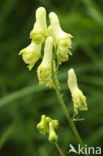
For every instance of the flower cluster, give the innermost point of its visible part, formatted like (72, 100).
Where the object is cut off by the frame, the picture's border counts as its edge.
(56, 44)
(78, 98)
(53, 37)
(47, 125)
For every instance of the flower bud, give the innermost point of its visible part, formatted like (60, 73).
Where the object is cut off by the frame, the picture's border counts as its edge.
(52, 135)
(78, 98)
(42, 126)
(31, 54)
(47, 125)
(45, 68)
(62, 39)
(39, 32)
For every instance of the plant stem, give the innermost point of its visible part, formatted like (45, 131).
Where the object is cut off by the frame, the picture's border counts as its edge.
(59, 149)
(68, 116)
(57, 88)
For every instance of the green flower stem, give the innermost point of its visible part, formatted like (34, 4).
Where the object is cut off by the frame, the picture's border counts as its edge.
(57, 88)
(59, 149)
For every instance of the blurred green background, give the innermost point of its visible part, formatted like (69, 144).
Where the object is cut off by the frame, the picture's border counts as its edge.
(22, 100)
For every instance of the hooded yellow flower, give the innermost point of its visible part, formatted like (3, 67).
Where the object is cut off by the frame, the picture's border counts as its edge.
(78, 98)
(45, 68)
(39, 32)
(31, 54)
(62, 39)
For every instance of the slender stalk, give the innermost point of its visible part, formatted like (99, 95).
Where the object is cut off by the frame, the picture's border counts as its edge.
(57, 89)
(59, 149)
(67, 114)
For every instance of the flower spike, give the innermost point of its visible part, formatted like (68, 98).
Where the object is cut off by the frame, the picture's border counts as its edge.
(78, 98)
(45, 68)
(31, 54)
(39, 32)
(62, 39)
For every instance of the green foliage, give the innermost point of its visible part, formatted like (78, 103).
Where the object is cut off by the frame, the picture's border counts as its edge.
(22, 100)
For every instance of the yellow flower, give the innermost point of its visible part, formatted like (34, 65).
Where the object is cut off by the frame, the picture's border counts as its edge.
(52, 135)
(61, 38)
(39, 32)
(45, 68)
(47, 125)
(42, 126)
(78, 98)
(31, 54)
